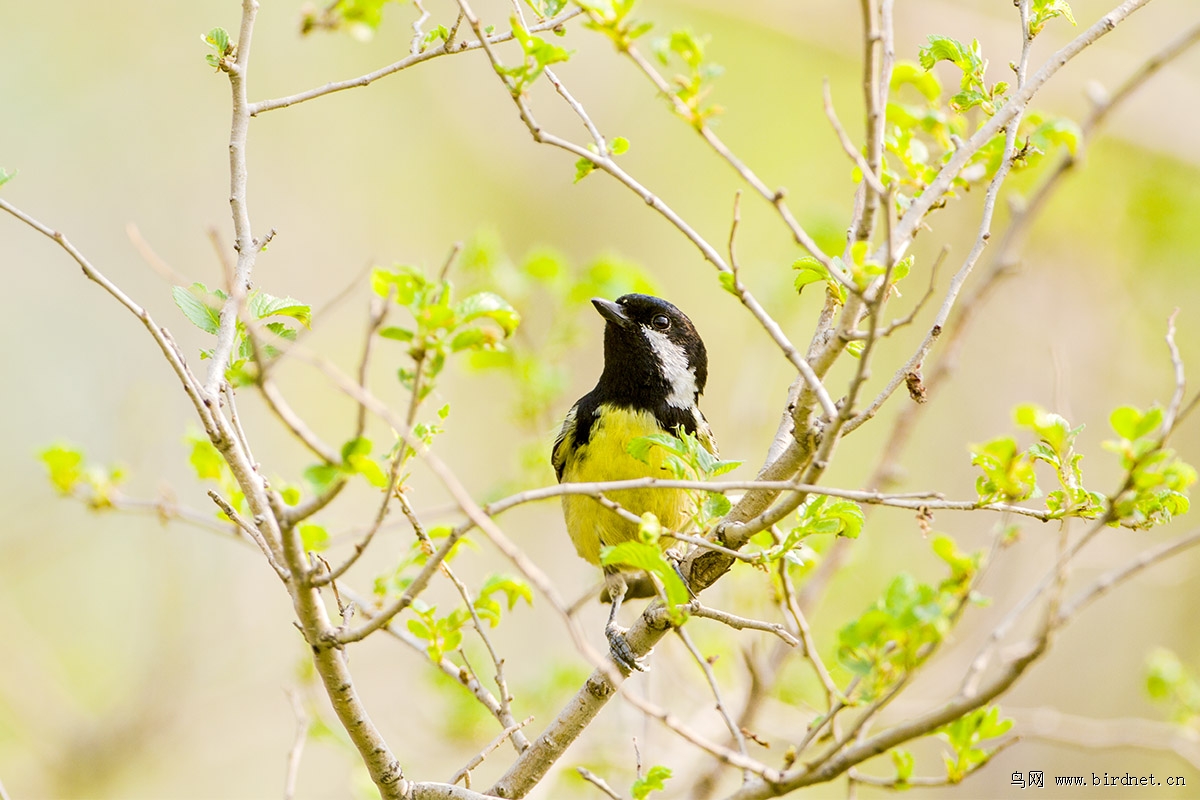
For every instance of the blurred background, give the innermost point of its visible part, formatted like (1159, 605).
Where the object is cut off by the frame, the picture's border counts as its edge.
(143, 660)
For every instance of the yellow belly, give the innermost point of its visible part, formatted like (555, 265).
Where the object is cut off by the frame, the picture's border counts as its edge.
(604, 458)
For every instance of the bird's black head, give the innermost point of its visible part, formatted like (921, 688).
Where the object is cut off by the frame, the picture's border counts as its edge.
(652, 353)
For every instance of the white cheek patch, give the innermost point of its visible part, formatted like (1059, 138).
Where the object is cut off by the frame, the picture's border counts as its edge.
(676, 370)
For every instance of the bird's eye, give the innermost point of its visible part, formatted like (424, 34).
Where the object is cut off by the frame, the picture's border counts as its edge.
(661, 322)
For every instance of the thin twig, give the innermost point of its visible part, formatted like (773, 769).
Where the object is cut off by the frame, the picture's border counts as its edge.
(293, 760)
(1007, 114)
(365, 540)
(774, 196)
(1180, 381)
(244, 243)
(720, 752)
(445, 48)
(418, 34)
(1115, 577)
(161, 336)
(848, 146)
(460, 675)
(254, 534)
(609, 165)
(738, 738)
(741, 623)
(598, 782)
(295, 423)
(921, 780)
(152, 258)
(378, 313)
(505, 698)
(832, 694)
(477, 759)
(1052, 725)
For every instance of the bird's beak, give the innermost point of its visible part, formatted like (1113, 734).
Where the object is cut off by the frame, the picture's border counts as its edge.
(611, 312)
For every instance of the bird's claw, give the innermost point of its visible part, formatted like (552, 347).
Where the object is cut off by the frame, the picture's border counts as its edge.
(621, 652)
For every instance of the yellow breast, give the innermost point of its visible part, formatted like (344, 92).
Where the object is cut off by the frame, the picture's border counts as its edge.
(604, 458)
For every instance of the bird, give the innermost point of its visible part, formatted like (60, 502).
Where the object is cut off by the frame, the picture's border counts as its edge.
(655, 369)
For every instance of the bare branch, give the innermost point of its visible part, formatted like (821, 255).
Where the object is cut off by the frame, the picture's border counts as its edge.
(364, 542)
(477, 759)
(598, 782)
(417, 37)
(920, 780)
(1115, 577)
(774, 196)
(731, 757)
(607, 164)
(161, 336)
(832, 694)
(1004, 116)
(1052, 725)
(442, 49)
(293, 760)
(741, 623)
(734, 731)
(848, 146)
(1180, 381)
(460, 675)
(244, 242)
(254, 534)
(504, 698)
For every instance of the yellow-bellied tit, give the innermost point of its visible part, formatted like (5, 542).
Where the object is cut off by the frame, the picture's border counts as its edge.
(655, 368)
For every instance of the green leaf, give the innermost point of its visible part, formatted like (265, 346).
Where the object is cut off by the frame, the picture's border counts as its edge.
(648, 557)
(322, 476)
(200, 305)
(263, 305)
(1042, 11)
(653, 781)
(471, 339)
(1130, 423)
(620, 146)
(583, 168)
(396, 333)
(716, 505)
(65, 466)
(218, 39)
(6, 176)
(513, 589)
(419, 629)
(205, 459)
(944, 48)
(487, 305)
(910, 74)
(360, 446)
(809, 270)
(729, 283)
(369, 468)
(314, 537)
(440, 33)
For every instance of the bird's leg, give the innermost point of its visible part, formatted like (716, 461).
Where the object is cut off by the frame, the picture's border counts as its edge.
(621, 652)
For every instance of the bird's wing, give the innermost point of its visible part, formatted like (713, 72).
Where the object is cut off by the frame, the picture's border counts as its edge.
(564, 442)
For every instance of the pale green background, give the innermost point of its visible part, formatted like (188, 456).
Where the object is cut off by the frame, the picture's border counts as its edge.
(142, 661)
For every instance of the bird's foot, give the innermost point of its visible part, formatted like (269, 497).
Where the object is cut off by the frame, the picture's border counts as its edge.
(621, 652)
